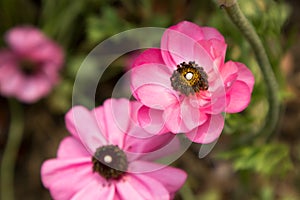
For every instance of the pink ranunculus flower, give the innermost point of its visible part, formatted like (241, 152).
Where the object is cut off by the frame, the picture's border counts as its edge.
(189, 82)
(107, 157)
(29, 67)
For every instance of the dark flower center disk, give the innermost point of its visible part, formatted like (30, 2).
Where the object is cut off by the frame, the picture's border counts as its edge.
(189, 78)
(28, 67)
(110, 162)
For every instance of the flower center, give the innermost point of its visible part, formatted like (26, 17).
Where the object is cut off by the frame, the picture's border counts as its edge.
(28, 67)
(110, 162)
(189, 78)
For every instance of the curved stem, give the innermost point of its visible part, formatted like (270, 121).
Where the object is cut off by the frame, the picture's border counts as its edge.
(238, 18)
(11, 150)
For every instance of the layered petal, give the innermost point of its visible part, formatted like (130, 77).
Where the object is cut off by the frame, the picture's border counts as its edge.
(172, 178)
(151, 120)
(149, 56)
(173, 120)
(96, 190)
(140, 187)
(245, 75)
(65, 177)
(70, 147)
(209, 131)
(179, 44)
(212, 33)
(117, 118)
(83, 125)
(191, 116)
(238, 97)
(151, 85)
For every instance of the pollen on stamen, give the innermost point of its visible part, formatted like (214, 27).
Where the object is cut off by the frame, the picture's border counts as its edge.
(107, 159)
(110, 162)
(189, 78)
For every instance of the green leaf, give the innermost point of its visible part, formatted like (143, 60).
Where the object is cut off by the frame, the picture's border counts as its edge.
(269, 159)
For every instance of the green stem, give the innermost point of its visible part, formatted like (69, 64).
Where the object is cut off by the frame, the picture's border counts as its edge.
(238, 18)
(11, 150)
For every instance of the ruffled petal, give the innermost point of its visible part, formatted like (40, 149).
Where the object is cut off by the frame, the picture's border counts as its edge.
(151, 85)
(245, 75)
(149, 56)
(151, 120)
(70, 147)
(137, 146)
(173, 120)
(238, 97)
(202, 55)
(212, 33)
(178, 43)
(171, 148)
(95, 190)
(191, 116)
(172, 178)
(155, 96)
(66, 177)
(209, 131)
(141, 187)
(216, 50)
(228, 72)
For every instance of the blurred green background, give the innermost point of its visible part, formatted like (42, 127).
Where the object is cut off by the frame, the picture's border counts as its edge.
(242, 165)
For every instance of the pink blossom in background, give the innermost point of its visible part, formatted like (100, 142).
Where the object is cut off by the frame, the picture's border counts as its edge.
(110, 133)
(188, 81)
(29, 66)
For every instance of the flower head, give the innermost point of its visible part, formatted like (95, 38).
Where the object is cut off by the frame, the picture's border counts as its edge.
(29, 67)
(188, 80)
(107, 157)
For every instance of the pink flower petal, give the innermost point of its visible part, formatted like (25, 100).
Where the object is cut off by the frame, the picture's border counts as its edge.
(30, 43)
(11, 84)
(149, 56)
(140, 187)
(117, 115)
(173, 120)
(152, 80)
(202, 55)
(34, 88)
(172, 178)
(238, 97)
(191, 116)
(171, 148)
(155, 96)
(209, 131)
(95, 190)
(178, 43)
(47, 52)
(137, 147)
(24, 39)
(245, 75)
(229, 71)
(83, 122)
(151, 120)
(70, 147)
(64, 177)
(216, 49)
(212, 33)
